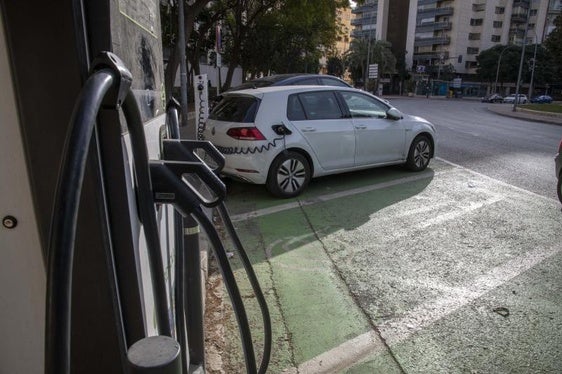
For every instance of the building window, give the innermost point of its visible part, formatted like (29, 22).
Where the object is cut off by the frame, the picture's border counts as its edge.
(498, 24)
(478, 7)
(472, 51)
(474, 36)
(533, 12)
(496, 38)
(476, 21)
(470, 64)
(531, 26)
(500, 10)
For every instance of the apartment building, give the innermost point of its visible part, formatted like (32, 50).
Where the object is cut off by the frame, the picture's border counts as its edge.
(443, 32)
(383, 20)
(455, 31)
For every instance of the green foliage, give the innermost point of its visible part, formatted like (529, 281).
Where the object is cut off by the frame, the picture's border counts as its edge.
(553, 44)
(509, 64)
(291, 37)
(335, 66)
(379, 53)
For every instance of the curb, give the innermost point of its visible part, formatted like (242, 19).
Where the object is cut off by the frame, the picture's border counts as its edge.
(527, 115)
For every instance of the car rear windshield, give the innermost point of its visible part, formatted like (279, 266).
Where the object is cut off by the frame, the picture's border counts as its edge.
(240, 109)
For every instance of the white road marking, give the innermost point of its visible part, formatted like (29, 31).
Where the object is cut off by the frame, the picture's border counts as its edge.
(399, 329)
(336, 195)
(497, 180)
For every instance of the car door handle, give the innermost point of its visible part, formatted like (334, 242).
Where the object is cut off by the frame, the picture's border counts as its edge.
(309, 129)
(361, 127)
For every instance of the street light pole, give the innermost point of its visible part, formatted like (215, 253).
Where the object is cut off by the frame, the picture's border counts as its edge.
(533, 70)
(498, 67)
(522, 58)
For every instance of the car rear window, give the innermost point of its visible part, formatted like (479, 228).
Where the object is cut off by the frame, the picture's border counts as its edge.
(240, 109)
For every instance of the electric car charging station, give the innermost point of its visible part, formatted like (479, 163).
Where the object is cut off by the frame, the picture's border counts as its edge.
(102, 202)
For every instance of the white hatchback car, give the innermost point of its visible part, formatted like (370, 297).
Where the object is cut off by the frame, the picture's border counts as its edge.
(284, 136)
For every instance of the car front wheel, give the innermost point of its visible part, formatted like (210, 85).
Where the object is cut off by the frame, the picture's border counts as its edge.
(419, 154)
(289, 175)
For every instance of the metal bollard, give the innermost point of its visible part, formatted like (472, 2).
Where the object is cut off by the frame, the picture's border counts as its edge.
(155, 355)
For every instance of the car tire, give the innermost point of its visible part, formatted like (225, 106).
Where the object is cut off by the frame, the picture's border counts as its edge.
(419, 153)
(559, 190)
(289, 174)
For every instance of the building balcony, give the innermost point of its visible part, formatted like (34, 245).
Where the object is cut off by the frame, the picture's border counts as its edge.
(435, 12)
(430, 56)
(435, 26)
(439, 40)
(359, 34)
(521, 3)
(364, 21)
(519, 17)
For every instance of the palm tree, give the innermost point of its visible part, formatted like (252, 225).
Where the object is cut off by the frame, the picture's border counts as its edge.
(380, 53)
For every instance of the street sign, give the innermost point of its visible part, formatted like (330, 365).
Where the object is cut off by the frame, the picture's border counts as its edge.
(373, 70)
(457, 83)
(420, 69)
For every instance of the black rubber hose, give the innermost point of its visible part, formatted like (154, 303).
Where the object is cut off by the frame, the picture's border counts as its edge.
(172, 124)
(63, 227)
(232, 288)
(146, 210)
(255, 286)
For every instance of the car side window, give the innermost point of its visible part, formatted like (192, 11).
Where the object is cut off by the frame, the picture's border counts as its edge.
(363, 106)
(295, 112)
(320, 105)
(326, 81)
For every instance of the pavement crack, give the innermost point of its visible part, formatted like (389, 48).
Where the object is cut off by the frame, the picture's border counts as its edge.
(354, 297)
(289, 337)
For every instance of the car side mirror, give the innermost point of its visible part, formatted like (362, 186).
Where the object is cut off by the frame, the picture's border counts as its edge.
(394, 114)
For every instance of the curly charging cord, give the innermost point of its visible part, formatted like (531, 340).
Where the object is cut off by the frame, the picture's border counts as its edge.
(250, 150)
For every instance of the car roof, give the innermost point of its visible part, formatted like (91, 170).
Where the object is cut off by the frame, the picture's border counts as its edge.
(260, 91)
(282, 79)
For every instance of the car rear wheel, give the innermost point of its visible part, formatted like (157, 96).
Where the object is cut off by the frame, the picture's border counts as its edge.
(419, 154)
(289, 175)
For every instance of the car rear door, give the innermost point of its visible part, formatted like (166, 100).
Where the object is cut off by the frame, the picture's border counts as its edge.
(378, 139)
(320, 120)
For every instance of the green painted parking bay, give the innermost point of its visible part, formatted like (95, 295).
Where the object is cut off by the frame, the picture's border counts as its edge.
(407, 272)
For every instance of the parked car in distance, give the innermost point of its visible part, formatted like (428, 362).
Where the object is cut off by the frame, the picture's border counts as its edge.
(284, 136)
(542, 99)
(291, 80)
(511, 99)
(558, 170)
(493, 98)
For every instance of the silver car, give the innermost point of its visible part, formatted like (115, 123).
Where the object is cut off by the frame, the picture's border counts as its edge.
(284, 136)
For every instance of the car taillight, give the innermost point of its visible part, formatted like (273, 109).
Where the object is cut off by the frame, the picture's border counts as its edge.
(245, 133)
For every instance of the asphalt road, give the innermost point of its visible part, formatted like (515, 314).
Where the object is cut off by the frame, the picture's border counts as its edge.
(514, 151)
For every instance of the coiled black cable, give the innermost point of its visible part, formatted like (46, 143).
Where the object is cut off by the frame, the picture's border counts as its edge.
(250, 150)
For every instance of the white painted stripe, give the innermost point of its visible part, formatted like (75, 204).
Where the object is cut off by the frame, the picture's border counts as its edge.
(505, 184)
(343, 356)
(336, 195)
(399, 329)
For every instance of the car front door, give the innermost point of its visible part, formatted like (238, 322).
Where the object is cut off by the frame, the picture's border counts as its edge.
(318, 117)
(378, 139)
